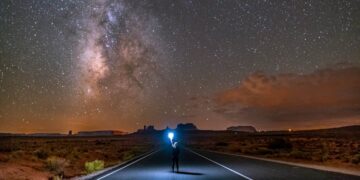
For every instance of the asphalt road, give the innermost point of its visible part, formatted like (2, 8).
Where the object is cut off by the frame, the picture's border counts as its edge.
(209, 165)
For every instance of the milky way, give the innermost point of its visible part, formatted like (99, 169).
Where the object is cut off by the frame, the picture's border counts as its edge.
(121, 59)
(106, 64)
(120, 54)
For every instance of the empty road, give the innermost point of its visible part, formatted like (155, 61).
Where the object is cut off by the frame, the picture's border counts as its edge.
(209, 165)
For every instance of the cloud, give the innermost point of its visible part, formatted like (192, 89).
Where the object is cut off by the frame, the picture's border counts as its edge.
(284, 98)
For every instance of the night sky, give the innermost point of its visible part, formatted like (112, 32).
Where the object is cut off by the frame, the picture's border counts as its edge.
(88, 65)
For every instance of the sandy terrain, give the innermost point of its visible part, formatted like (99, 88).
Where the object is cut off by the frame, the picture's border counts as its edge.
(44, 158)
(333, 150)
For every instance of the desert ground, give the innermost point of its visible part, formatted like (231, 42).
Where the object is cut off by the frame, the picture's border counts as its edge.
(65, 157)
(70, 156)
(335, 149)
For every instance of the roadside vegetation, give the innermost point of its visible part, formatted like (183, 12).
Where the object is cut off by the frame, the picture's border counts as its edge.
(334, 150)
(59, 158)
(94, 166)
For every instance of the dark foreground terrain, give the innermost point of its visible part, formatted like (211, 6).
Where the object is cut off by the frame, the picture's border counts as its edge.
(26, 157)
(338, 148)
(54, 157)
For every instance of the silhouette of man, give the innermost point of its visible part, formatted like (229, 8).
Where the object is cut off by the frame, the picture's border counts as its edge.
(175, 154)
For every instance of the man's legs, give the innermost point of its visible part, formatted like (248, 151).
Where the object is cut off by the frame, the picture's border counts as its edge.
(173, 163)
(177, 164)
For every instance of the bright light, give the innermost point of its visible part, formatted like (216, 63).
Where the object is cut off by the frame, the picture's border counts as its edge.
(171, 135)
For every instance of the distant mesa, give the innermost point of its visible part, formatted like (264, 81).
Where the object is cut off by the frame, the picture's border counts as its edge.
(100, 133)
(250, 129)
(180, 127)
(186, 127)
(6, 134)
(147, 129)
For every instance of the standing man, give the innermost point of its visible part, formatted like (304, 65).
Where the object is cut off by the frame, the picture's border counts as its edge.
(175, 153)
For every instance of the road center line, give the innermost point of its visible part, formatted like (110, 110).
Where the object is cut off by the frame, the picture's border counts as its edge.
(102, 177)
(220, 164)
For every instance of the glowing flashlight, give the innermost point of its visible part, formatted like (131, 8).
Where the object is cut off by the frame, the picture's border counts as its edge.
(171, 136)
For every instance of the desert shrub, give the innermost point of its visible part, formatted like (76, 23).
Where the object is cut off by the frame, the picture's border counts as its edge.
(279, 143)
(297, 154)
(63, 152)
(247, 151)
(5, 148)
(337, 157)
(211, 148)
(17, 154)
(93, 166)
(345, 159)
(128, 155)
(135, 151)
(99, 142)
(56, 164)
(8, 147)
(74, 154)
(106, 156)
(263, 151)
(4, 158)
(56, 177)
(356, 159)
(324, 157)
(324, 152)
(221, 144)
(234, 148)
(41, 154)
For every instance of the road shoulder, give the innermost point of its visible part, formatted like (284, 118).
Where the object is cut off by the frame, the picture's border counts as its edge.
(110, 170)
